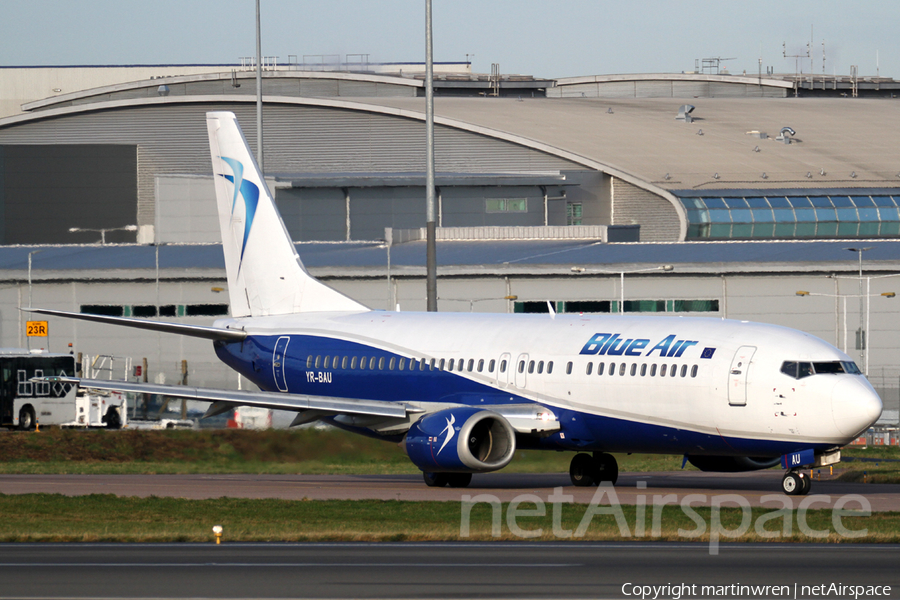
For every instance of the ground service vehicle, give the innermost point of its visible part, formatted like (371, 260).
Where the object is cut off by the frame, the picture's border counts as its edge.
(25, 403)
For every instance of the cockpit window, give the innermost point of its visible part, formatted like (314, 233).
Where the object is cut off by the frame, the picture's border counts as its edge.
(799, 370)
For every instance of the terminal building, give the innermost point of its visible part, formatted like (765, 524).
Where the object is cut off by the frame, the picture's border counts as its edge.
(765, 199)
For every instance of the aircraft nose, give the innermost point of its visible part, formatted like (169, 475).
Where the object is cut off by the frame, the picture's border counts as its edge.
(854, 405)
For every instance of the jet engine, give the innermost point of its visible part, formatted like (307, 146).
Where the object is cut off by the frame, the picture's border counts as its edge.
(733, 464)
(461, 440)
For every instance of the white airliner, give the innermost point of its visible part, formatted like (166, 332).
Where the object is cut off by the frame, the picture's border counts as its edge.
(461, 392)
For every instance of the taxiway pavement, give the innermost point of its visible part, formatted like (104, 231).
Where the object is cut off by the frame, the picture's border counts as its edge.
(670, 487)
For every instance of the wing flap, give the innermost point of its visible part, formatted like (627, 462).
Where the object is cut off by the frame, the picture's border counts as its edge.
(225, 399)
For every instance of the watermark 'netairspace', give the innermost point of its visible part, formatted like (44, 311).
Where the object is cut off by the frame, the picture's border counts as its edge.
(606, 502)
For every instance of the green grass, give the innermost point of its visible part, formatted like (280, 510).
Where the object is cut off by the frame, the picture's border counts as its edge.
(307, 451)
(106, 518)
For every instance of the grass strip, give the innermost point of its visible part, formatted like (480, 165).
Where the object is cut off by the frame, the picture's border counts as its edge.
(306, 451)
(107, 518)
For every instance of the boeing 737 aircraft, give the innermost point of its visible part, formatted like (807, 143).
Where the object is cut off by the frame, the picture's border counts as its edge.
(461, 392)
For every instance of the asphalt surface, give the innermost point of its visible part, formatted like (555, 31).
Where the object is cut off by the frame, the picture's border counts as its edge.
(441, 570)
(759, 488)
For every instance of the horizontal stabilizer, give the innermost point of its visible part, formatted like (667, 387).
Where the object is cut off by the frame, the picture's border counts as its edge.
(198, 331)
(270, 400)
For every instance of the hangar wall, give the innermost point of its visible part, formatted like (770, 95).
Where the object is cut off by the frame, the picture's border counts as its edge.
(47, 189)
(657, 217)
(172, 139)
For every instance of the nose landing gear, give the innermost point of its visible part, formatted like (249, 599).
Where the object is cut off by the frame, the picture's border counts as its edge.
(796, 483)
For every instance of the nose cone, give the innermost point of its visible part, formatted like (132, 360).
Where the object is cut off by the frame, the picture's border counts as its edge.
(855, 405)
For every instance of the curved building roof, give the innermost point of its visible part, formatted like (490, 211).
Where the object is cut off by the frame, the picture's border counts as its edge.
(723, 167)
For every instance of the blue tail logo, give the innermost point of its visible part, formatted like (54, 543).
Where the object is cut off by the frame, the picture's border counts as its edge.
(249, 192)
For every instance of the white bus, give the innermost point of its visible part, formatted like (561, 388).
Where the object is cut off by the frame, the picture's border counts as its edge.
(24, 403)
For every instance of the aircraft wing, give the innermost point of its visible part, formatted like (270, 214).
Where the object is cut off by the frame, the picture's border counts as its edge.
(224, 400)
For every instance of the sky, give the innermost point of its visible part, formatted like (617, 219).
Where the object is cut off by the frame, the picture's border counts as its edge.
(545, 38)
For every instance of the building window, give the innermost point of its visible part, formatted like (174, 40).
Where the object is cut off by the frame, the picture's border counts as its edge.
(506, 205)
(573, 213)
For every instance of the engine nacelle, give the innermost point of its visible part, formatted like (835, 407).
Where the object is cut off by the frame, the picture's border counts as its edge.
(733, 464)
(461, 440)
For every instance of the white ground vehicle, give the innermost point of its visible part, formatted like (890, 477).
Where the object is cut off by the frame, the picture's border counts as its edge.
(25, 403)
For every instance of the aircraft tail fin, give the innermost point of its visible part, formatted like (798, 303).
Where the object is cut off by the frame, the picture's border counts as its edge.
(265, 274)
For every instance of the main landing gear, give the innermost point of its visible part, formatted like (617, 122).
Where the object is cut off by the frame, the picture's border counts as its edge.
(454, 480)
(587, 470)
(796, 483)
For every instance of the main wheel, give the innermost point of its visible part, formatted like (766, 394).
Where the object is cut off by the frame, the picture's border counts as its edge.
(792, 484)
(607, 467)
(583, 471)
(459, 480)
(112, 418)
(807, 484)
(26, 418)
(436, 479)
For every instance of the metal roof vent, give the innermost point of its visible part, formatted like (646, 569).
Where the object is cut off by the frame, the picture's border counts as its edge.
(785, 135)
(684, 113)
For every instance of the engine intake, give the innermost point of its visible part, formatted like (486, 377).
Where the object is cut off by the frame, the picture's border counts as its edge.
(461, 440)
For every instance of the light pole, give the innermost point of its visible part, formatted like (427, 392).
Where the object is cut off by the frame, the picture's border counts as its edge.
(30, 301)
(862, 342)
(666, 268)
(102, 231)
(865, 355)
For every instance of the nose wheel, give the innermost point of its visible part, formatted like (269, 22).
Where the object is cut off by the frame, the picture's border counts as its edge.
(586, 470)
(796, 483)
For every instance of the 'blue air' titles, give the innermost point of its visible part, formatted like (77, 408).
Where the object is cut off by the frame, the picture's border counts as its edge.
(612, 344)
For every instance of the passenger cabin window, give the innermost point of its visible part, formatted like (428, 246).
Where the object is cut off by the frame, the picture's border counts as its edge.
(569, 368)
(600, 368)
(503, 366)
(694, 371)
(540, 367)
(381, 364)
(480, 365)
(460, 365)
(653, 370)
(451, 364)
(673, 371)
(589, 368)
(521, 366)
(531, 367)
(644, 370)
(309, 361)
(549, 367)
(683, 370)
(353, 363)
(622, 367)
(471, 365)
(612, 368)
(633, 369)
(662, 370)
(344, 362)
(491, 366)
(372, 363)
